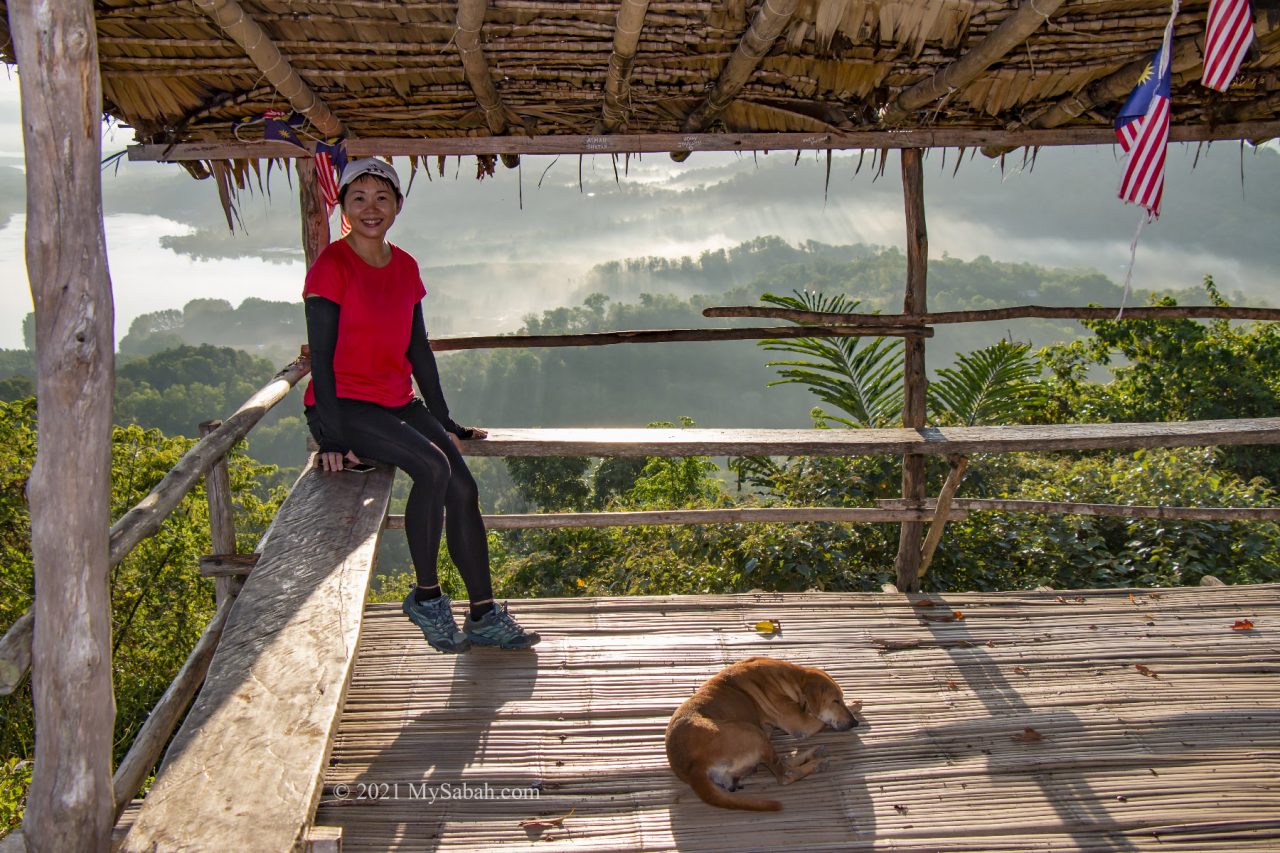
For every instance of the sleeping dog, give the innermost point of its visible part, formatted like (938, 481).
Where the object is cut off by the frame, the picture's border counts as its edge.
(719, 735)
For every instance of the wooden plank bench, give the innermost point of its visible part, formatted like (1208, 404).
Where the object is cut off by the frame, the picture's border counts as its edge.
(244, 772)
(934, 441)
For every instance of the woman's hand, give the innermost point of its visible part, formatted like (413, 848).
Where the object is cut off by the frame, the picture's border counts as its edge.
(476, 433)
(334, 461)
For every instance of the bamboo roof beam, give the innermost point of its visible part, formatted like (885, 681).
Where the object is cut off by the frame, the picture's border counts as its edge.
(249, 34)
(617, 85)
(475, 68)
(760, 36)
(1012, 32)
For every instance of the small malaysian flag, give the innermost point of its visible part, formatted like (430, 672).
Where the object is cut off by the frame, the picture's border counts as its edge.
(331, 159)
(1228, 33)
(1142, 128)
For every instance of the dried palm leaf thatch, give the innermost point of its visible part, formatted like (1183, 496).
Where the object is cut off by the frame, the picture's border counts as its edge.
(395, 69)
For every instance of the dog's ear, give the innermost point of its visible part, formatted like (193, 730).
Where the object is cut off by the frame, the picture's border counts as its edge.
(817, 691)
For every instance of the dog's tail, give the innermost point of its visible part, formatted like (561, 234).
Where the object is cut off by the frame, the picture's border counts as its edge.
(712, 794)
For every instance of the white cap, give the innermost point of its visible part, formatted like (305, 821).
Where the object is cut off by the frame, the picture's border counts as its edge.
(369, 166)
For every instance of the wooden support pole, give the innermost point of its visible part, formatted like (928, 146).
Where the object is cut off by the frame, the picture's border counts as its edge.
(315, 211)
(258, 46)
(617, 84)
(943, 512)
(69, 803)
(765, 28)
(475, 68)
(915, 383)
(167, 713)
(222, 522)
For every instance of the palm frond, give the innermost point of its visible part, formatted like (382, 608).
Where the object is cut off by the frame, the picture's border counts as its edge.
(998, 384)
(860, 377)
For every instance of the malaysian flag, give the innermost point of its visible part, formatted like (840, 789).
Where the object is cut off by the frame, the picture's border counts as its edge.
(331, 159)
(1227, 35)
(1142, 127)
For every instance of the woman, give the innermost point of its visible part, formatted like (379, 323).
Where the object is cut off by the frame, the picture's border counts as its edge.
(363, 300)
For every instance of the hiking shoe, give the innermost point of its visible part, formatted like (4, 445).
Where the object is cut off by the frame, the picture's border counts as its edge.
(497, 628)
(435, 618)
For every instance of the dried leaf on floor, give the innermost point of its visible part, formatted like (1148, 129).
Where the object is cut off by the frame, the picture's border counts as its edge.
(1145, 670)
(545, 822)
(1028, 735)
(1242, 625)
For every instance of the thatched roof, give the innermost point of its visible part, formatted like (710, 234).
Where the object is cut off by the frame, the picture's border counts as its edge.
(400, 69)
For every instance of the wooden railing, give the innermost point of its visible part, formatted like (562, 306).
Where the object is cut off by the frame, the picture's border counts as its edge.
(207, 459)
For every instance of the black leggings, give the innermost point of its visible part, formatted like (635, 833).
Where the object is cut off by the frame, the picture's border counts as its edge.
(444, 496)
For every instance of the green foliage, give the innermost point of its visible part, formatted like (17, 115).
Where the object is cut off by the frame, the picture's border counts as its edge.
(16, 388)
(1172, 370)
(15, 778)
(552, 482)
(863, 380)
(994, 385)
(1018, 550)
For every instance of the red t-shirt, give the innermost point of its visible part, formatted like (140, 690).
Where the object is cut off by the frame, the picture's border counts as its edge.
(370, 362)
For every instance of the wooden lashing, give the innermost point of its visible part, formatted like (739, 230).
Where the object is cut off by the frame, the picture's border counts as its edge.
(915, 383)
(222, 523)
(760, 36)
(617, 84)
(231, 17)
(1012, 32)
(69, 803)
(475, 68)
(943, 512)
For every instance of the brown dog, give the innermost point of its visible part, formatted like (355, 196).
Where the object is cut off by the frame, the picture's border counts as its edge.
(719, 734)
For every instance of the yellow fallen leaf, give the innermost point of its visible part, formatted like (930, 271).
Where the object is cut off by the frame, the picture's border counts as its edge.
(768, 626)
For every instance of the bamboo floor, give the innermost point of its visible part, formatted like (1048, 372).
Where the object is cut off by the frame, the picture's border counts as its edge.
(1096, 720)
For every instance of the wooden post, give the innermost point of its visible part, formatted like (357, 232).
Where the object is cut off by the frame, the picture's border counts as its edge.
(69, 804)
(222, 522)
(315, 212)
(913, 411)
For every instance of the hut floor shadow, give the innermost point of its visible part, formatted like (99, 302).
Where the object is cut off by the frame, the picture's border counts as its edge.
(1094, 720)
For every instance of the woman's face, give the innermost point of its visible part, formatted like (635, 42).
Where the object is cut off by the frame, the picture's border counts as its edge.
(371, 207)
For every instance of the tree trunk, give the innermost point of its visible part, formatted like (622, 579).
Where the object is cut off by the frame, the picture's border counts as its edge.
(69, 805)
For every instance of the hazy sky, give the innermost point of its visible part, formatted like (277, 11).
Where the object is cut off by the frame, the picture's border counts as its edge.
(168, 243)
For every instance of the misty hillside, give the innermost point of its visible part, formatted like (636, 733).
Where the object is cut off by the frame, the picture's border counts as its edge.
(724, 384)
